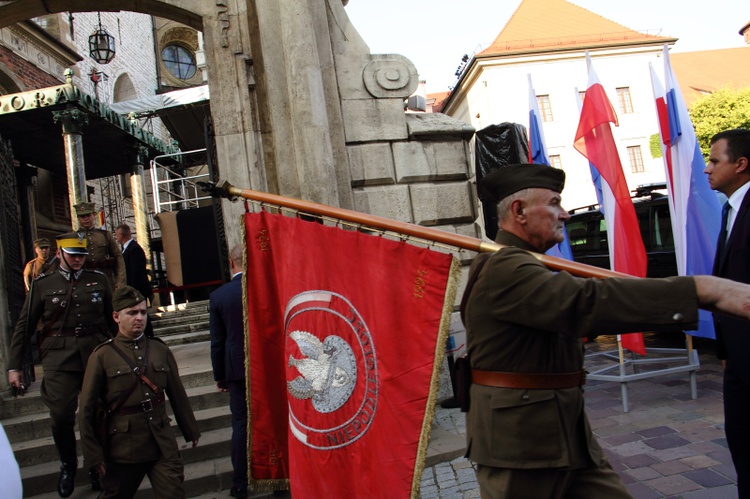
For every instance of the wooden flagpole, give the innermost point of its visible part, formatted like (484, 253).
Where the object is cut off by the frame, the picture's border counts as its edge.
(227, 190)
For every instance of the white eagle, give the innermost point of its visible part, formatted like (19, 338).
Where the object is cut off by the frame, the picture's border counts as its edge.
(317, 368)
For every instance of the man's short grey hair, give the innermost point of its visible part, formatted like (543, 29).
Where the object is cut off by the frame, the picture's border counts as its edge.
(503, 207)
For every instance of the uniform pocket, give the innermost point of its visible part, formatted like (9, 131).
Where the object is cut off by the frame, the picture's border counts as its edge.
(526, 427)
(160, 373)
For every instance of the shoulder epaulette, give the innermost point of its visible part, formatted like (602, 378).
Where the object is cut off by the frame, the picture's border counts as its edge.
(105, 342)
(94, 271)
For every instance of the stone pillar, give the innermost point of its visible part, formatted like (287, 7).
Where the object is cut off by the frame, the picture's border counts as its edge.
(140, 206)
(73, 120)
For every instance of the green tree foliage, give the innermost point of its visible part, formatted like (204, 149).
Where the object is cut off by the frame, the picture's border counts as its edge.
(720, 111)
(654, 143)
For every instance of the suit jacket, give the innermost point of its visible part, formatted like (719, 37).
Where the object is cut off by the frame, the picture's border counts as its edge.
(521, 317)
(135, 268)
(733, 335)
(227, 327)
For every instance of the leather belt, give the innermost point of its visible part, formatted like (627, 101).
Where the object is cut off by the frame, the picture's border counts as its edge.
(145, 406)
(529, 381)
(78, 331)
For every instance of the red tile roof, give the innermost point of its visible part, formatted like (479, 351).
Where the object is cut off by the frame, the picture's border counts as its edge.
(542, 25)
(707, 71)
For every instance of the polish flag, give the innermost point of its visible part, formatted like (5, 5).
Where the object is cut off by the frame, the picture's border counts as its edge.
(595, 141)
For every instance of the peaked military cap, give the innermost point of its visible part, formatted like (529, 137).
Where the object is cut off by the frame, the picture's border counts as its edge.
(42, 242)
(510, 179)
(72, 243)
(126, 297)
(84, 208)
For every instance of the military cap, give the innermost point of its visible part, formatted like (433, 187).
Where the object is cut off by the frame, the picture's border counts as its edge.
(126, 297)
(507, 180)
(72, 243)
(84, 208)
(42, 242)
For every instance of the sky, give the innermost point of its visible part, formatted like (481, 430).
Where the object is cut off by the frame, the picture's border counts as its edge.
(435, 34)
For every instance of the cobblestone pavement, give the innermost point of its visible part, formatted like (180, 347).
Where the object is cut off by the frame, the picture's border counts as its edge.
(667, 446)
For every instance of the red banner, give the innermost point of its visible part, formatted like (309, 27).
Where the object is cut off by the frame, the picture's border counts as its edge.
(346, 337)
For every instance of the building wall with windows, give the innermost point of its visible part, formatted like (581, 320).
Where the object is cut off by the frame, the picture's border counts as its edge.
(497, 91)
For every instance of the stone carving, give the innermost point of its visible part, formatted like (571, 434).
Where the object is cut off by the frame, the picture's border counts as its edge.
(390, 76)
(73, 120)
(223, 17)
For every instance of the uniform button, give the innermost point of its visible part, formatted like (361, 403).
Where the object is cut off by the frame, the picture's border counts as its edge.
(678, 317)
(147, 394)
(525, 396)
(140, 358)
(150, 418)
(118, 372)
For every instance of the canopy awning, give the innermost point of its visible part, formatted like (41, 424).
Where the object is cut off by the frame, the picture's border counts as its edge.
(110, 141)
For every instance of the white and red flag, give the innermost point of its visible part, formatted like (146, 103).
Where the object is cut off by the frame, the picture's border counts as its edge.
(695, 209)
(346, 335)
(595, 141)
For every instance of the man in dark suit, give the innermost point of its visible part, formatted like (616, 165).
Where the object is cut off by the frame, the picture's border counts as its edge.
(136, 273)
(227, 327)
(135, 261)
(729, 173)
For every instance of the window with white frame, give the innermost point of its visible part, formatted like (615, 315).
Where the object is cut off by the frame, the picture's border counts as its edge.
(636, 159)
(555, 161)
(623, 100)
(545, 108)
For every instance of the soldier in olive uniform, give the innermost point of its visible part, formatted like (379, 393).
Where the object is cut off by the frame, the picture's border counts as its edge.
(75, 309)
(44, 263)
(104, 252)
(526, 427)
(128, 377)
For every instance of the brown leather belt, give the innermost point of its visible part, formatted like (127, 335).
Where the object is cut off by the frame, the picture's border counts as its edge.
(528, 381)
(145, 406)
(78, 331)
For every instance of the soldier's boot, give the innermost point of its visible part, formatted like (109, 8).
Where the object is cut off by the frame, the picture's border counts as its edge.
(66, 484)
(94, 476)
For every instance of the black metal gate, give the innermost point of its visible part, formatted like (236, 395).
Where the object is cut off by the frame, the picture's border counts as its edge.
(9, 232)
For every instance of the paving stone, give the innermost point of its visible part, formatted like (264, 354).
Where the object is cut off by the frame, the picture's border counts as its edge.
(657, 431)
(707, 478)
(671, 468)
(697, 462)
(639, 461)
(670, 485)
(666, 442)
(643, 474)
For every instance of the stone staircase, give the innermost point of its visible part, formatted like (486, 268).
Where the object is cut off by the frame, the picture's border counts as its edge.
(207, 467)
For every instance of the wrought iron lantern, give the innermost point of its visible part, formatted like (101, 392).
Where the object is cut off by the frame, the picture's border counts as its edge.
(101, 44)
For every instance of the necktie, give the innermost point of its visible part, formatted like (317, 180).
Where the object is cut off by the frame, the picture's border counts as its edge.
(721, 247)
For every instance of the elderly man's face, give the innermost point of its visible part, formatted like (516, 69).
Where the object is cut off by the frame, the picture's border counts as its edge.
(545, 219)
(132, 320)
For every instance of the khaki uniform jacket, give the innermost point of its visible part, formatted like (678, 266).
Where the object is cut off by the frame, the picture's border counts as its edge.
(141, 437)
(90, 305)
(37, 267)
(521, 317)
(105, 255)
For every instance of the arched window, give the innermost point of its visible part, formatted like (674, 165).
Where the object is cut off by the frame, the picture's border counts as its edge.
(179, 61)
(124, 89)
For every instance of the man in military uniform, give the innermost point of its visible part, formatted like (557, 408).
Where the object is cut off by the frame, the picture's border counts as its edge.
(75, 308)
(526, 426)
(128, 377)
(44, 263)
(104, 252)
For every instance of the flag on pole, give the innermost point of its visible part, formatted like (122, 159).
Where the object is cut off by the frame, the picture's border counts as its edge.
(346, 336)
(538, 154)
(595, 141)
(596, 177)
(101, 220)
(694, 207)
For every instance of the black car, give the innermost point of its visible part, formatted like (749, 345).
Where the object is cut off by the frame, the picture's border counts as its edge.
(587, 232)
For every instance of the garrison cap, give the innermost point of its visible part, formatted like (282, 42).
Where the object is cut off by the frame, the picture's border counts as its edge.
(126, 297)
(72, 243)
(84, 208)
(42, 242)
(507, 180)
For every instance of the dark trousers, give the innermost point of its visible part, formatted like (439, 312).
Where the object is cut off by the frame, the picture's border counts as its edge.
(238, 407)
(736, 418)
(59, 393)
(594, 482)
(166, 476)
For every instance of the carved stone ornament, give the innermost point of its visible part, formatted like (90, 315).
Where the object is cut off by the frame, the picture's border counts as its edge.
(391, 76)
(223, 17)
(73, 120)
